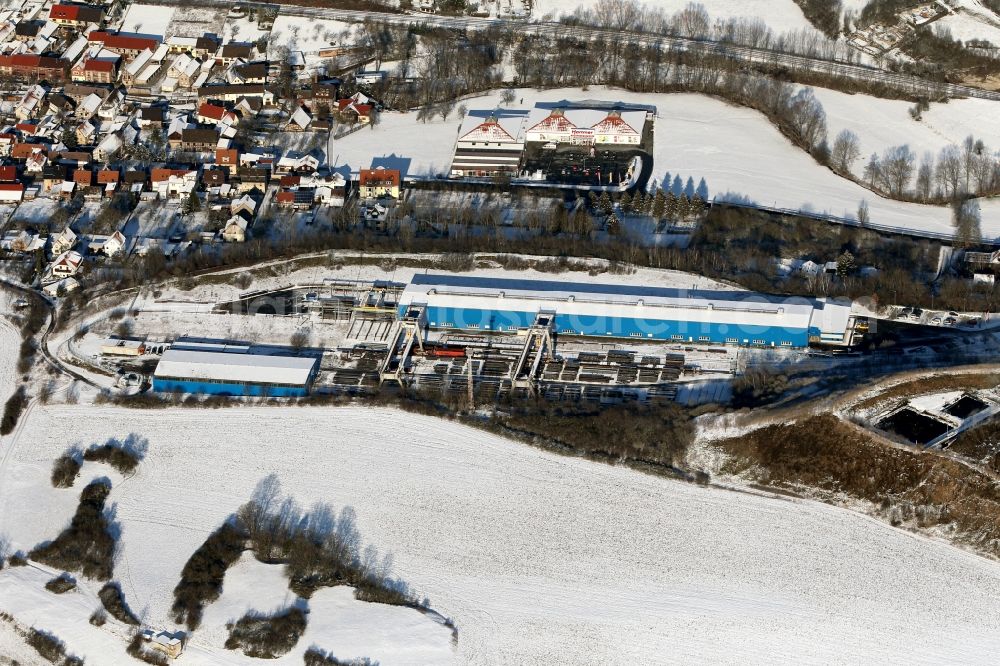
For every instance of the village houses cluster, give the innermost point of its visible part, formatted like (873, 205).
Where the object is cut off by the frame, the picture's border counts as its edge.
(115, 143)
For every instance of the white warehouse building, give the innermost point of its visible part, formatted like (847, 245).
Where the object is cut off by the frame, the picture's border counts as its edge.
(627, 311)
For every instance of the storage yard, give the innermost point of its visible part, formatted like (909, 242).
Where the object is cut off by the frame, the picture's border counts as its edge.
(474, 340)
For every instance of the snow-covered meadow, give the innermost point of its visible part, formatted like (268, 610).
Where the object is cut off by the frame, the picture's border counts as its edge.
(736, 150)
(779, 15)
(536, 557)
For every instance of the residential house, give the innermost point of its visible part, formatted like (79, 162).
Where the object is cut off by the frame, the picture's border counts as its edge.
(96, 71)
(213, 114)
(195, 140)
(297, 199)
(234, 51)
(114, 245)
(214, 179)
(351, 111)
(380, 182)
(233, 92)
(108, 179)
(300, 120)
(65, 241)
(235, 229)
(296, 163)
(11, 192)
(86, 133)
(246, 205)
(89, 105)
(250, 72)
(135, 181)
(151, 116)
(228, 159)
(36, 162)
(33, 67)
(60, 104)
(184, 69)
(60, 287)
(52, 176)
(30, 103)
(75, 16)
(7, 143)
(329, 191)
(174, 182)
(83, 177)
(8, 174)
(132, 72)
(128, 46)
(66, 264)
(27, 31)
(112, 106)
(250, 179)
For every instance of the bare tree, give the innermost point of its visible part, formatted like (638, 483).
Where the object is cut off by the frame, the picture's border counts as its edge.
(897, 169)
(949, 171)
(846, 151)
(966, 219)
(925, 177)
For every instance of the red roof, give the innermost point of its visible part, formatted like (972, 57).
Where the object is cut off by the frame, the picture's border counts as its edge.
(290, 181)
(27, 128)
(8, 138)
(160, 174)
(375, 177)
(72, 13)
(31, 61)
(8, 174)
(123, 42)
(83, 176)
(94, 65)
(286, 197)
(105, 176)
(11, 187)
(211, 111)
(227, 156)
(24, 150)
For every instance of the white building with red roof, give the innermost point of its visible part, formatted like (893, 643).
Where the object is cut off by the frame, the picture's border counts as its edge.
(490, 143)
(585, 126)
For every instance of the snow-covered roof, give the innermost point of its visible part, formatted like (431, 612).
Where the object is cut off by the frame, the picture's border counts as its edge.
(189, 364)
(739, 308)
(494, 125)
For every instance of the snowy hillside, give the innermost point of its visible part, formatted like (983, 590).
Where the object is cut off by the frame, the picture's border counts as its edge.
(736, 150)
(779, 15)
(536, 557)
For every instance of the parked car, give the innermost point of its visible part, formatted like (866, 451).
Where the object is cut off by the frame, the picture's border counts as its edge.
(950, 321)
(936, 321)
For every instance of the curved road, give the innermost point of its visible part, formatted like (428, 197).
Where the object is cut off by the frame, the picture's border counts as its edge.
(747, 54)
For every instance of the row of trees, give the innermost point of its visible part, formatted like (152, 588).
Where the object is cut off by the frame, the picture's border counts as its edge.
(956, 172)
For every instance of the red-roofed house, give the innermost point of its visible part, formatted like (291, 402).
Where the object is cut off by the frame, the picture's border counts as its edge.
(351, 111)
(128, 46)
(75, 16)
(213, 114)
(227, 158)
(23, 151)
(11, 192)
(379, 183)
(8, 174)
(29, 66)
(96, 71)
(174, 182)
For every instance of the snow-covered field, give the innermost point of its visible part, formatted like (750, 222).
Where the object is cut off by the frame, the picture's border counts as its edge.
(973, 21)
(537, 558)
(779, 15)
(307, 34)
(147, 19)
(736, 150)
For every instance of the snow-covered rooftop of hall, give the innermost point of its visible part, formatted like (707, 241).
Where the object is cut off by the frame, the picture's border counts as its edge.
(195, 365)
(620, 294)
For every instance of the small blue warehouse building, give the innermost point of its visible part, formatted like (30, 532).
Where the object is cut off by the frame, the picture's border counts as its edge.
(627, 311)
(233, 372)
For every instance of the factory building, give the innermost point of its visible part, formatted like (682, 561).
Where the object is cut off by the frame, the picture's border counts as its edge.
(233, 371)
(626, 311)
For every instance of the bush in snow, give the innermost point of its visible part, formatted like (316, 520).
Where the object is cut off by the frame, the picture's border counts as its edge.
(201, 578)
(113, 601)
(316, 657)
(65, 469)
(60, 584)
(267, 637)
(86, 545)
